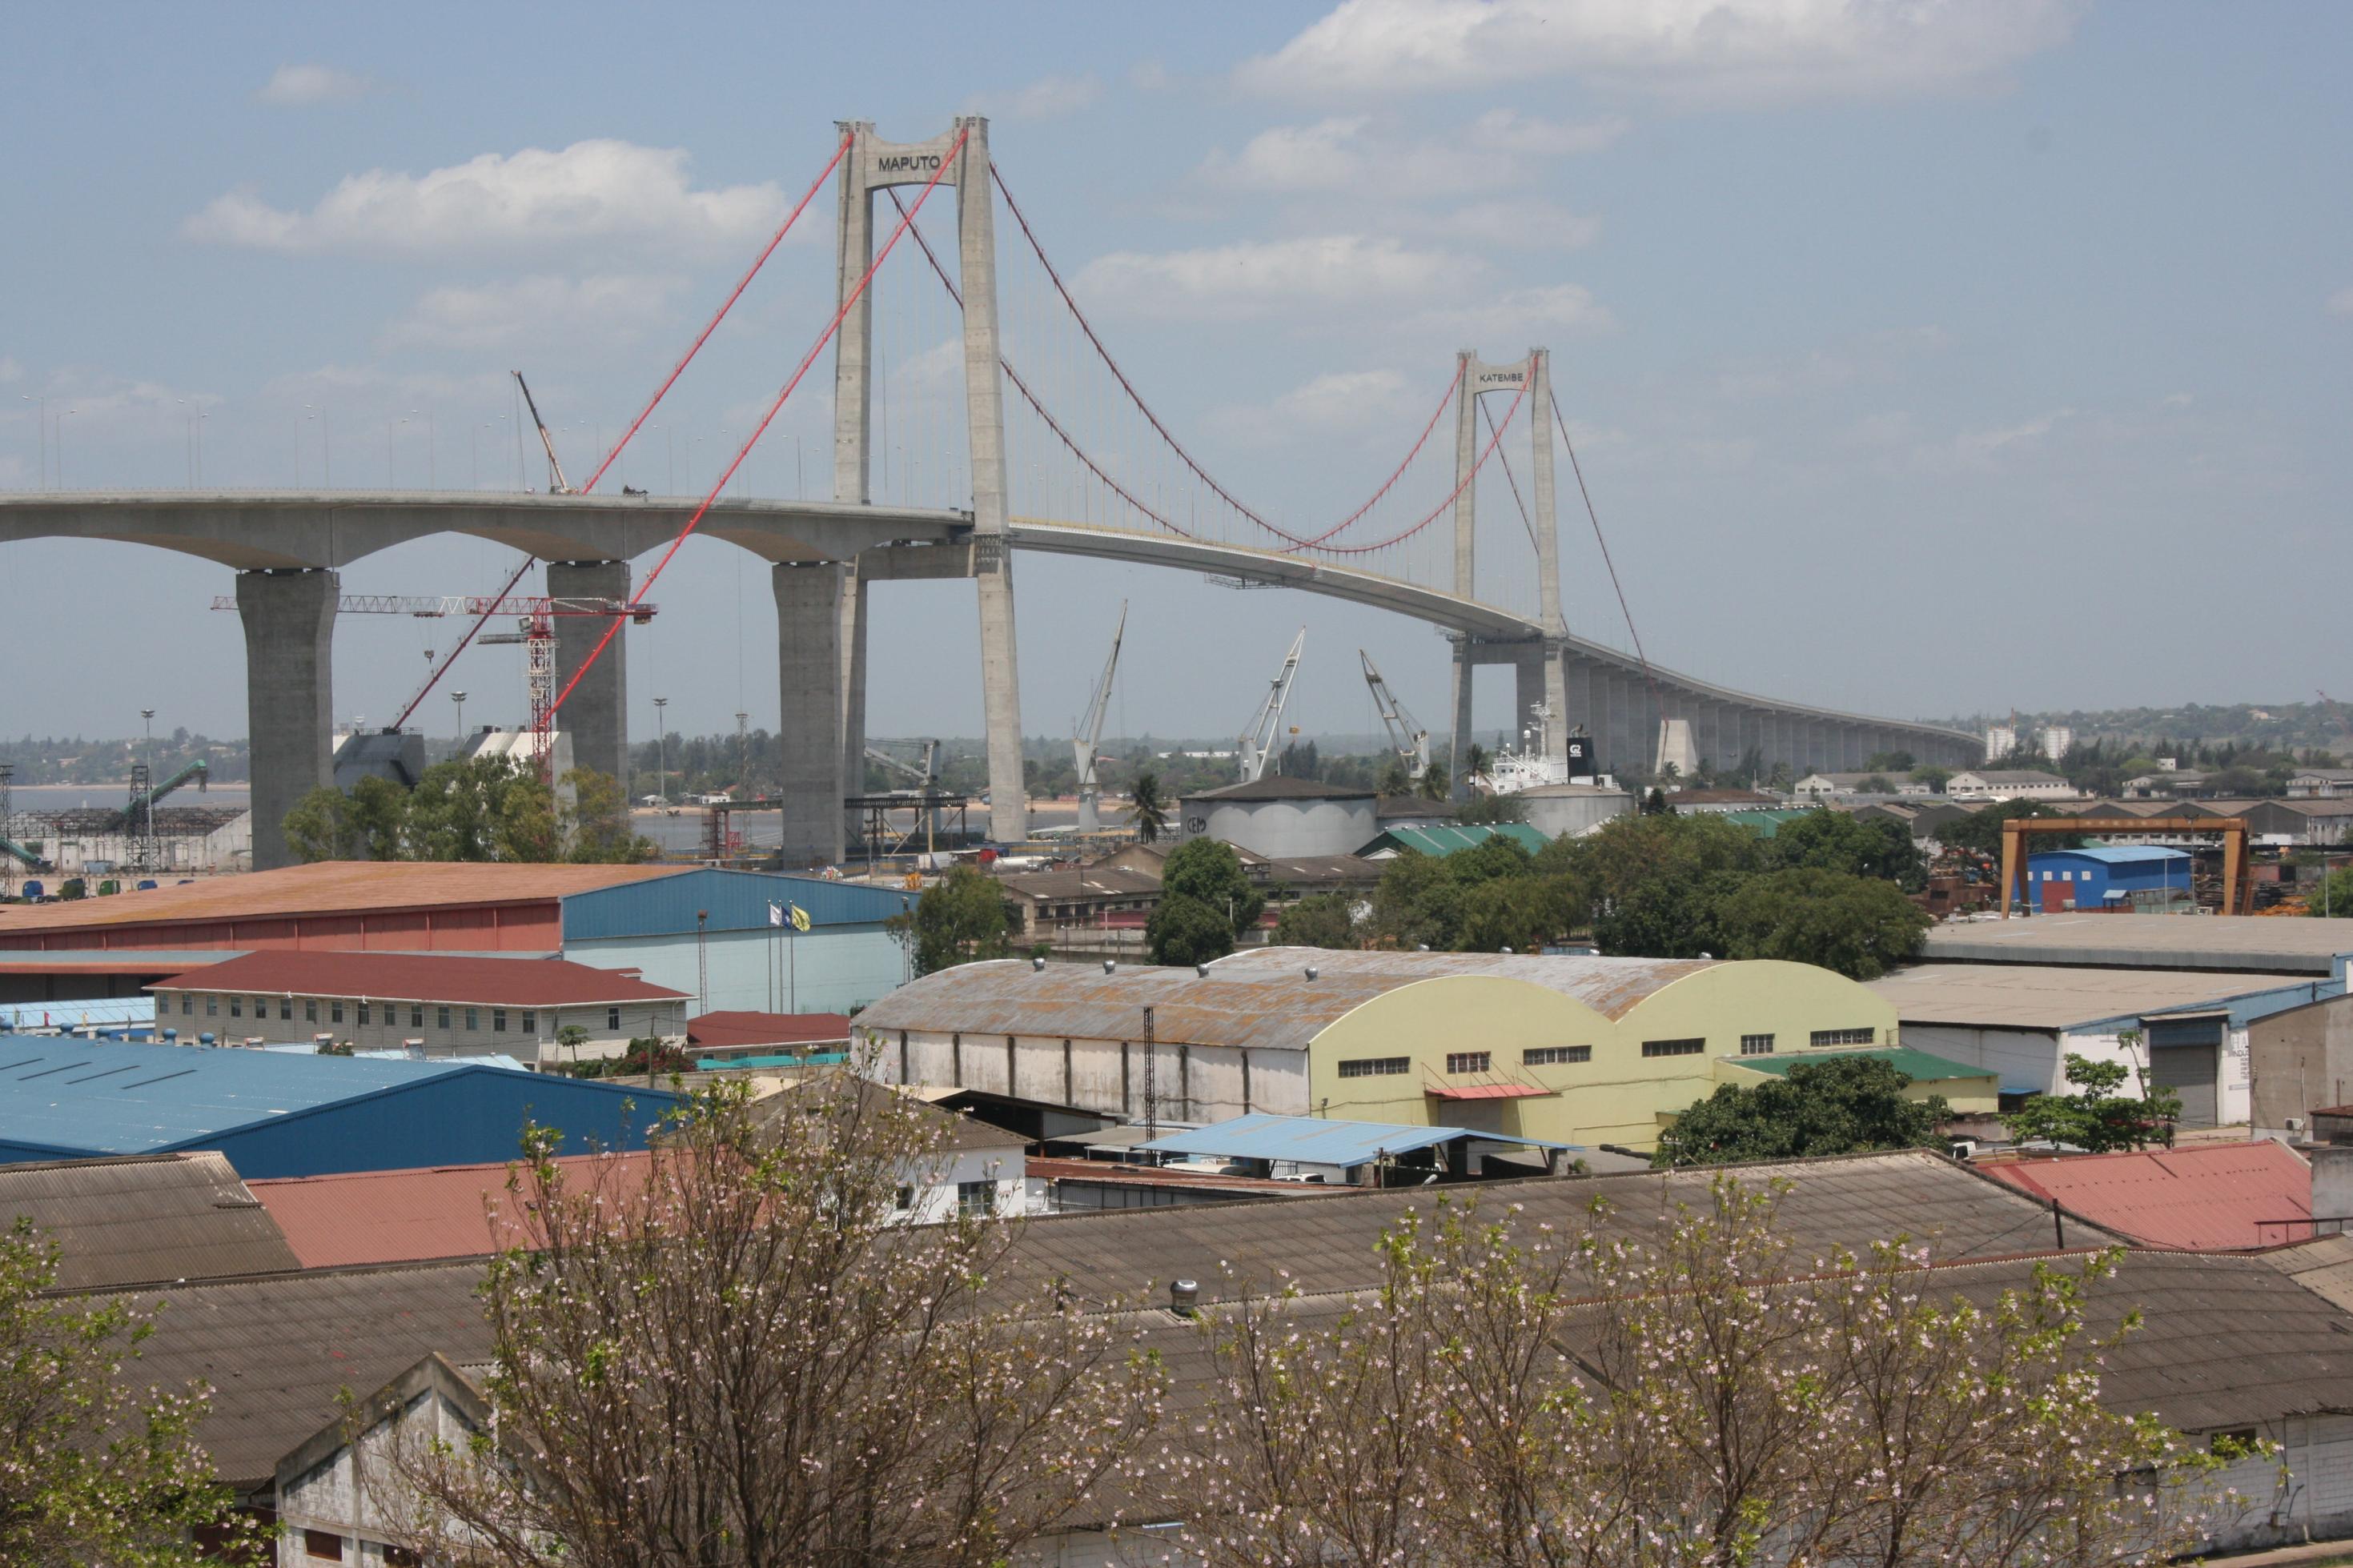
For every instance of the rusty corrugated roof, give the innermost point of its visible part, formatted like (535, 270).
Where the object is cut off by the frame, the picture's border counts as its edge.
(144, 1218)
(1610, 986)
(2211, 1198)
(409, 1216)
(330, 886)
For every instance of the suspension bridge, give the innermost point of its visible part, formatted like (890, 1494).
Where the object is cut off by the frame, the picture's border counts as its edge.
(975, 418)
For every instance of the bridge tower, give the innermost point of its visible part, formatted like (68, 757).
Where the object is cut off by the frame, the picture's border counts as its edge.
(822, 609)
(1540, 673)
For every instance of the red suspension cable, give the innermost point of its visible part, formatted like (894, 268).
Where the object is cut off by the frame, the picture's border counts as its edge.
(721, 315)
(1154, 419)
(1615, 586)
(1440, 510)
(955, 149)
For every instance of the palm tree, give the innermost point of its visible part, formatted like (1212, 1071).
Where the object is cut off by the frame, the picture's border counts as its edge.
(1150, 810)
(1475, 760)
(1433, 784)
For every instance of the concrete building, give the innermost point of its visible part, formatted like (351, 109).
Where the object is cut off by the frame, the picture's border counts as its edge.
(446, 1004)
(1839, 786)
(274, 1114)
(1276, 816)
(2310, 823)
(2007, 784)
(2300, 1062)
(2320, 783)
(1569, 1050)
(1567, 810)
(2057, 741)
(2021, 1023)
(2133, 877)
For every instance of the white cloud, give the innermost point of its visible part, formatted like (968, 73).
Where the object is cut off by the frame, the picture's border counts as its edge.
(1336, 404)
(608, 307)
(2341, 302)
(302, 86)
(533, 199)
(1696, 51)
(1254, 278)
(1047, 97)
(1501, 323)
(1529, 224)
(1353, 153)
(10, 369)
(1978, 447)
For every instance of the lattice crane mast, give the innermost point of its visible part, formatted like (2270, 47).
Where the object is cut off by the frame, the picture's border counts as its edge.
(1083, 746)
(1258, 740)
(556, 483)
(1408, 739)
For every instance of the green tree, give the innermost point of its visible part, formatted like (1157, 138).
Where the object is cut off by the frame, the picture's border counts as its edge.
(1490, 809)
(319, 826)
(1842, 1105)
(1859, 926)
(1395, 782)
(599, 827)
(1877, 784)
(1654, 803)
(1888, 763)
(1476, 759)
(1184, 929)
(1979, 833)
(1319, 920)
(1522, 913)
(1150, 810)
(2095, 1118)
(1418, 902)
(2332, 897)
(1208, 871)
(1844, 841)
(960, 919)
(1935, 777)
(569, 1039)
(1433, 784)
(90, 1471)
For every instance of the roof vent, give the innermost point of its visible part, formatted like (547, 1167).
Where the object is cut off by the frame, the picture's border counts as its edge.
(1703, 956)
(1311, 972)
(1506, 948)
(1037, 966)
(1421, 947)
(1110, 965)
(1183, 1298)
(1202, 969)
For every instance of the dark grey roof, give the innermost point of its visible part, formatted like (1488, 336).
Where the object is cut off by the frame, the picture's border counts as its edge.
(1276, 787)
(145, 1218)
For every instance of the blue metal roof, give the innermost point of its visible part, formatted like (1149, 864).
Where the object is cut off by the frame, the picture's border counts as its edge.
(1312, 1141)
(734, 900)
(2125, 855)
(79, 1095)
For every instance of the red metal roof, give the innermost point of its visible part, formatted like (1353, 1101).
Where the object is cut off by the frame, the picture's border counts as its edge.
(419, 977)
(2211, 1198)
(1485, 1091)
(413, 1216)
(329, 887)
(739, 1029)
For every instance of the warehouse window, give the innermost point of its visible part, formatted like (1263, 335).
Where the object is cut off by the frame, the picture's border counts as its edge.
(1376, 1066)
(1555, 1056)
(417, 1015)
(310, 1009)
(1756, 1045)
(212, 1006)
(1673, 1048)
(237, 1006)
(1469, 1061)
(324, 1545)
(401, 1557)
(1845, 1037)
(529, 1022)
(286, 1008)
(499, 1020)
(473, 1020)
(441, 1017)
(364, 1010)
(612, 1018)
(904, 1199)
(187, 1003)
(975, 1197)
(335, 1011)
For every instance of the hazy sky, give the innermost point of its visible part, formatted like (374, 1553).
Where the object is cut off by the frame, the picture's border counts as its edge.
(1923, 358)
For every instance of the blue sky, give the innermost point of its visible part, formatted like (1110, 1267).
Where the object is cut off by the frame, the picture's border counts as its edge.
(1922, 358)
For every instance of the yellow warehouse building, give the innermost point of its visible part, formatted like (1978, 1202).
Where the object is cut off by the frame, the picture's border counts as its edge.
(1570, 1050)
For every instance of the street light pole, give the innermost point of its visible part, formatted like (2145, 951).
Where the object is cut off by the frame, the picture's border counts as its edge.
(147, 755)
(459, 699)
(661, 750)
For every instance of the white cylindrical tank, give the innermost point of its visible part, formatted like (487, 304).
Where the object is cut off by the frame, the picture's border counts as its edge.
(1279, 818)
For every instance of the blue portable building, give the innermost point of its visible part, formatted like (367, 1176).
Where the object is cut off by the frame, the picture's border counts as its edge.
(710, 934)
(275, 1115)
(2102, 879)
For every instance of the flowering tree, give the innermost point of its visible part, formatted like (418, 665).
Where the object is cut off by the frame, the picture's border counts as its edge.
(1515, 1395)
(733, 1354)
(91, 1471)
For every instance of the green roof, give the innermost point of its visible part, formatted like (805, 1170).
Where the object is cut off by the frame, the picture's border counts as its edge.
(1447, 841)
(1921, 1067)
(1765, 824)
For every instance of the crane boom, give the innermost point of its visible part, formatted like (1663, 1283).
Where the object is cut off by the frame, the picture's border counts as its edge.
(1408, 739)
(1090, 735)
(556, 483)
(1257, 741)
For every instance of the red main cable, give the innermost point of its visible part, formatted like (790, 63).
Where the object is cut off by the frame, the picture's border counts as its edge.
(721, 315)
(1618, 588)
(1440, 510)
(1154, 419)
(643, 414)
(817, 348)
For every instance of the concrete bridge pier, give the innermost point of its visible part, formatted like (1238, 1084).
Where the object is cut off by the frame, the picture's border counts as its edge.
(811, 685)
(856, 592)
(290, 632)
(596, 714)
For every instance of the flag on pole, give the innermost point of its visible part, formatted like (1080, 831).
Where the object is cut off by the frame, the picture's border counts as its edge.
(800, 917)
(776, 914)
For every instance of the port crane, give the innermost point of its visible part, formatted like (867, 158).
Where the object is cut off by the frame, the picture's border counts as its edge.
(1408, 739)
(1258, 740)
(556, 483)
(1084, 744)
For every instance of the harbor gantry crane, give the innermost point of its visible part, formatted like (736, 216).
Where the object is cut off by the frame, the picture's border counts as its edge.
(1257, 741)
(535, 616)
(1085, 744)
(1408, 739)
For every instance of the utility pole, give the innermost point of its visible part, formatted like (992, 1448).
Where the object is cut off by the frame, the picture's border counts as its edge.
(661, 750)
(1151, 1082)
(147, 755)
(458, 698)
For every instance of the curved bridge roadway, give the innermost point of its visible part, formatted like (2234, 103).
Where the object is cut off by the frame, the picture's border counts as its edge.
(287, 547)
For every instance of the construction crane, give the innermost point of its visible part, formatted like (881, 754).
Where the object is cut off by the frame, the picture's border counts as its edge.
(535, 616)
(556, 483)
(927, 780)
(1258, 740)
(1090, 735)
(1408, 739)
